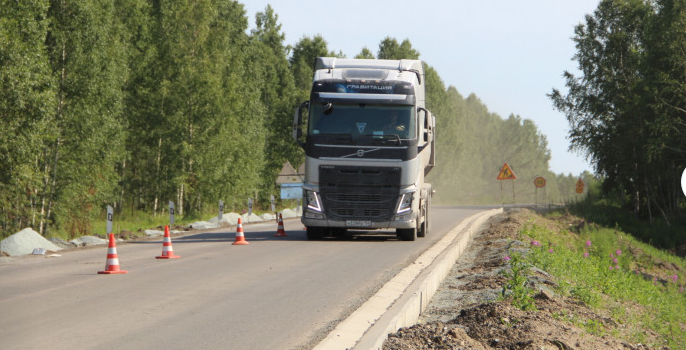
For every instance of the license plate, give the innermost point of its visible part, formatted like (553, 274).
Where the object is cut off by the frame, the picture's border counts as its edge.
(358, 223)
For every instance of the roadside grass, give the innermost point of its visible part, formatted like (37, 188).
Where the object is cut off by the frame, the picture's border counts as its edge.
(670, 231)
(132, 223)
(639, 286)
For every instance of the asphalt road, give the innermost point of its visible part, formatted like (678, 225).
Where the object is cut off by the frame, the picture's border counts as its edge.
(275, 293)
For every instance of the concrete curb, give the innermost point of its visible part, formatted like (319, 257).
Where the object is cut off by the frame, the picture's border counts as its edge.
(400, 301)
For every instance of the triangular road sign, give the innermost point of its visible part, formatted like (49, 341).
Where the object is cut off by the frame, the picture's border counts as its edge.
(288, 175)
(506, 173)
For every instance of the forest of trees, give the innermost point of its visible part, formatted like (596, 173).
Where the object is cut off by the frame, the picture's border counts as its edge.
(133, 103)
(627, 109)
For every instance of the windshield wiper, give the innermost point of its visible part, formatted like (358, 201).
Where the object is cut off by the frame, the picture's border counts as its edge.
(385, 138)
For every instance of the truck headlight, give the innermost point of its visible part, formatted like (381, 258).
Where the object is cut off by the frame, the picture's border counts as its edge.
(405, 203)
(313, 201)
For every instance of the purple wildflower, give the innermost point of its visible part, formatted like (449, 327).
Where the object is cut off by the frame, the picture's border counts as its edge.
(506, 258)
(619, 252)
(674, 278)
(550, 250)
(588, 243)
(585, 254)
(614, 260)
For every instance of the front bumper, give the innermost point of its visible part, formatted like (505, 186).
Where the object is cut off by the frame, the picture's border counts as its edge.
(409, 222)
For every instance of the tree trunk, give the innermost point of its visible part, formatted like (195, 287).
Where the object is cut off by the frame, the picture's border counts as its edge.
(180, 200)
(46, 179)
(120, 204)
(60, 109)
(52, 186)
(650, 211)
(157, 176)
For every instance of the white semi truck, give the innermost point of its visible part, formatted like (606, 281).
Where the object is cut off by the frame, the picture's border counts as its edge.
(369, 145)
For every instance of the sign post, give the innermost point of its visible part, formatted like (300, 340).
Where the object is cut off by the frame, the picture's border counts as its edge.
(580, 186)
(506, 173)
(290, 181)
(110, 218)
(249, 208)
(171, 213)
(221, 211)
(539, 182)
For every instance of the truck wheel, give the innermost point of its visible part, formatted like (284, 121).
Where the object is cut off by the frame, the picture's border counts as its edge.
(315, 233)
(424, 228)
(406, 234)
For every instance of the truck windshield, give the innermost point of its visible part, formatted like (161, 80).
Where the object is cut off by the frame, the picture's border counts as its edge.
(362, 120)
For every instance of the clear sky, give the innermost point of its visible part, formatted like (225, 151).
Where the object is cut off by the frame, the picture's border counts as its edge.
(510, 54)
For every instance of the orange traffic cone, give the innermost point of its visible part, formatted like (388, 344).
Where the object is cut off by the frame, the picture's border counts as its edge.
(280, 232)
(112, 264)
(240, 238)
(167, 250)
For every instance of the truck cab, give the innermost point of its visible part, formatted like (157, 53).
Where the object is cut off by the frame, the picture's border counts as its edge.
(369, 143)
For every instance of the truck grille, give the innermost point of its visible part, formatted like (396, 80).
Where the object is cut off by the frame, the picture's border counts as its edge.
(357, 198)
(368, 193)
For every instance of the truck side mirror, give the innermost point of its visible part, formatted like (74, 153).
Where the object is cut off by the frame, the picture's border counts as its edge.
(298, 121)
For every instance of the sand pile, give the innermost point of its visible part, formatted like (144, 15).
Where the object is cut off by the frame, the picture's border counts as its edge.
(24, 242)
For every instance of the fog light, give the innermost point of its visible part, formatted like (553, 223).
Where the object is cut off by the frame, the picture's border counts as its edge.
(311, 215)
(402, 218)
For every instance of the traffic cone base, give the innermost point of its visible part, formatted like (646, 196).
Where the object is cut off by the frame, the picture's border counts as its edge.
(240, 237)
(112, 263)
(280, 232)
(167, 250)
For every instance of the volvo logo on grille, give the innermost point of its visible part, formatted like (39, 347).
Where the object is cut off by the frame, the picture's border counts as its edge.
(361, 152)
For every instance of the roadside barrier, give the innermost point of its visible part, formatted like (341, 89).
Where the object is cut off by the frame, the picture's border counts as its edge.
(280, 232)
(112, 263)
(240, 237)
(167, 250)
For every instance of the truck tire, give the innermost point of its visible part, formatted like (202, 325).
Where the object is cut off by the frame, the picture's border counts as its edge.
(315, 233)
(424, 228)
(426, 225)
(406, 234)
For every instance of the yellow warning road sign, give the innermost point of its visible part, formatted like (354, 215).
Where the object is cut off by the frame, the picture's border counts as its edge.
(506, 173)
(580, 186)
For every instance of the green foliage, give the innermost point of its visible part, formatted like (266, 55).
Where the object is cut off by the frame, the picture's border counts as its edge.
(641, 278)
(603, 210)
(516, 284)
(27, 98)
(389, 49)
(365, 54)
(134, 103)
(627, 109)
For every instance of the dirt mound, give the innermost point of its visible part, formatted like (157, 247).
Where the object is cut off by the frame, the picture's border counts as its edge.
(466, 311)
(501, 326)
